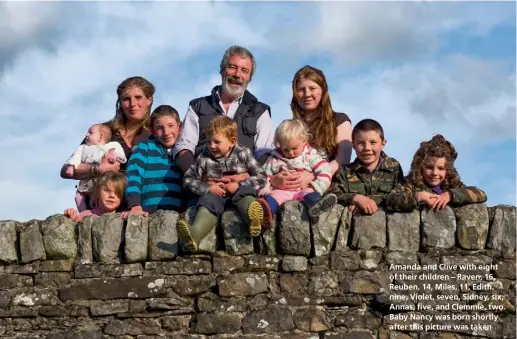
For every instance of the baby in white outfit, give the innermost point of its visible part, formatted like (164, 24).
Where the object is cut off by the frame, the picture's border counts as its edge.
(97, 145)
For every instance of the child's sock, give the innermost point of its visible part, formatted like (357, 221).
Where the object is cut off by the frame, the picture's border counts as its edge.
(273, 205)
(311, 198)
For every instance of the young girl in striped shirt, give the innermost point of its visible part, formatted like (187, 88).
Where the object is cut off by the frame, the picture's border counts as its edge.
(293, 153)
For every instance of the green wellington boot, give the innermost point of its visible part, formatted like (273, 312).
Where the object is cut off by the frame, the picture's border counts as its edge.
(203, 223)
(252, 213)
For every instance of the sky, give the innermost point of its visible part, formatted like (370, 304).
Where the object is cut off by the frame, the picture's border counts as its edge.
(419, 68)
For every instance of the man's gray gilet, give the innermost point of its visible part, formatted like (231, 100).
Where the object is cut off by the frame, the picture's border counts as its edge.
(246, 117)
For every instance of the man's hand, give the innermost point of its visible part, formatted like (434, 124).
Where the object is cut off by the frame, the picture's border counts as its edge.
(134, 210)
(285, 180)
(366, 204)
(428, 198)
(70, 169)
(232, 187)
(441, 201)
(218, 189)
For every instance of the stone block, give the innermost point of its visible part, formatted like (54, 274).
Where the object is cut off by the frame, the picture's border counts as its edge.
(59, 237)
(137, 238)
(107, 235)
(502, 230)
(292, 263)
(8, 253)
(236, 234)
(324, 232)
(243, 284)
(294, 234)
(438, 228)
(269, 320)
(84, 240)
(404, 231)
(311, 320)
(217, 323)
(107, 289)
(369, 231)
(31, 242)
(163, 236)
(472, 226)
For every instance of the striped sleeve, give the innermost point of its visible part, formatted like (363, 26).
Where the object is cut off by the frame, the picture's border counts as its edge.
(323, 172)
(135, 173)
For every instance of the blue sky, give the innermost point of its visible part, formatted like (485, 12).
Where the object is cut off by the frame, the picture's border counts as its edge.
(419, 68)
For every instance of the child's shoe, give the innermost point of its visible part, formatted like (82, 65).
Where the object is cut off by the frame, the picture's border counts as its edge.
(256, 217)
(185, 236)
(268, 215)
(324, 204)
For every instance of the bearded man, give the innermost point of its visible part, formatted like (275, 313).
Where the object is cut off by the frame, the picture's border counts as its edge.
(253, 118)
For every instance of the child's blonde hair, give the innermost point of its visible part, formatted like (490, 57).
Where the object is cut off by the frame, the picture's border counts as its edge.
(289, 129)
(117, 180)
(224, 125)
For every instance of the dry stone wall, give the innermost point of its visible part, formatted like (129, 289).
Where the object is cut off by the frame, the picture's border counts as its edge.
(389, 276)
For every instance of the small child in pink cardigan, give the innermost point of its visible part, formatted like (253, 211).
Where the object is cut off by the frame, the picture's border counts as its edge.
(293, 153)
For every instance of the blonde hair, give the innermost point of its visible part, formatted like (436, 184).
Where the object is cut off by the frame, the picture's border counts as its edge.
(289, 129)
(117, 180)
(118, 123)
(223, 125)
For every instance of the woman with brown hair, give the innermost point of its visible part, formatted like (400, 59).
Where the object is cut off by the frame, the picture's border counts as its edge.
(331, 132)
(129, 126)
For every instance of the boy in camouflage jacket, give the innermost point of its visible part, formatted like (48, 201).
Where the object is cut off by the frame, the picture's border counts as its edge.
(365, 183)
(433, 180)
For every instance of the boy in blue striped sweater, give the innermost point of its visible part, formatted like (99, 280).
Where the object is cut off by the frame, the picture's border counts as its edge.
(154, 179)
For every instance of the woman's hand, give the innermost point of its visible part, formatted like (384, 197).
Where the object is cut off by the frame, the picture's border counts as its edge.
(286, 180)
(105, 164)
(307, 178)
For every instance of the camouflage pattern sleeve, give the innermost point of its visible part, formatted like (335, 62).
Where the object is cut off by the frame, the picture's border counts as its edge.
(402, 198)
(467, 195)
(339, 187)
(387, 183)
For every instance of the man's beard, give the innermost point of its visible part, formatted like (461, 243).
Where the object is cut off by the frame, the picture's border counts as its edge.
(232, 91)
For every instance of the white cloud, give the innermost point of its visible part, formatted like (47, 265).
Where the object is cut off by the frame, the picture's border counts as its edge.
(359, 32)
